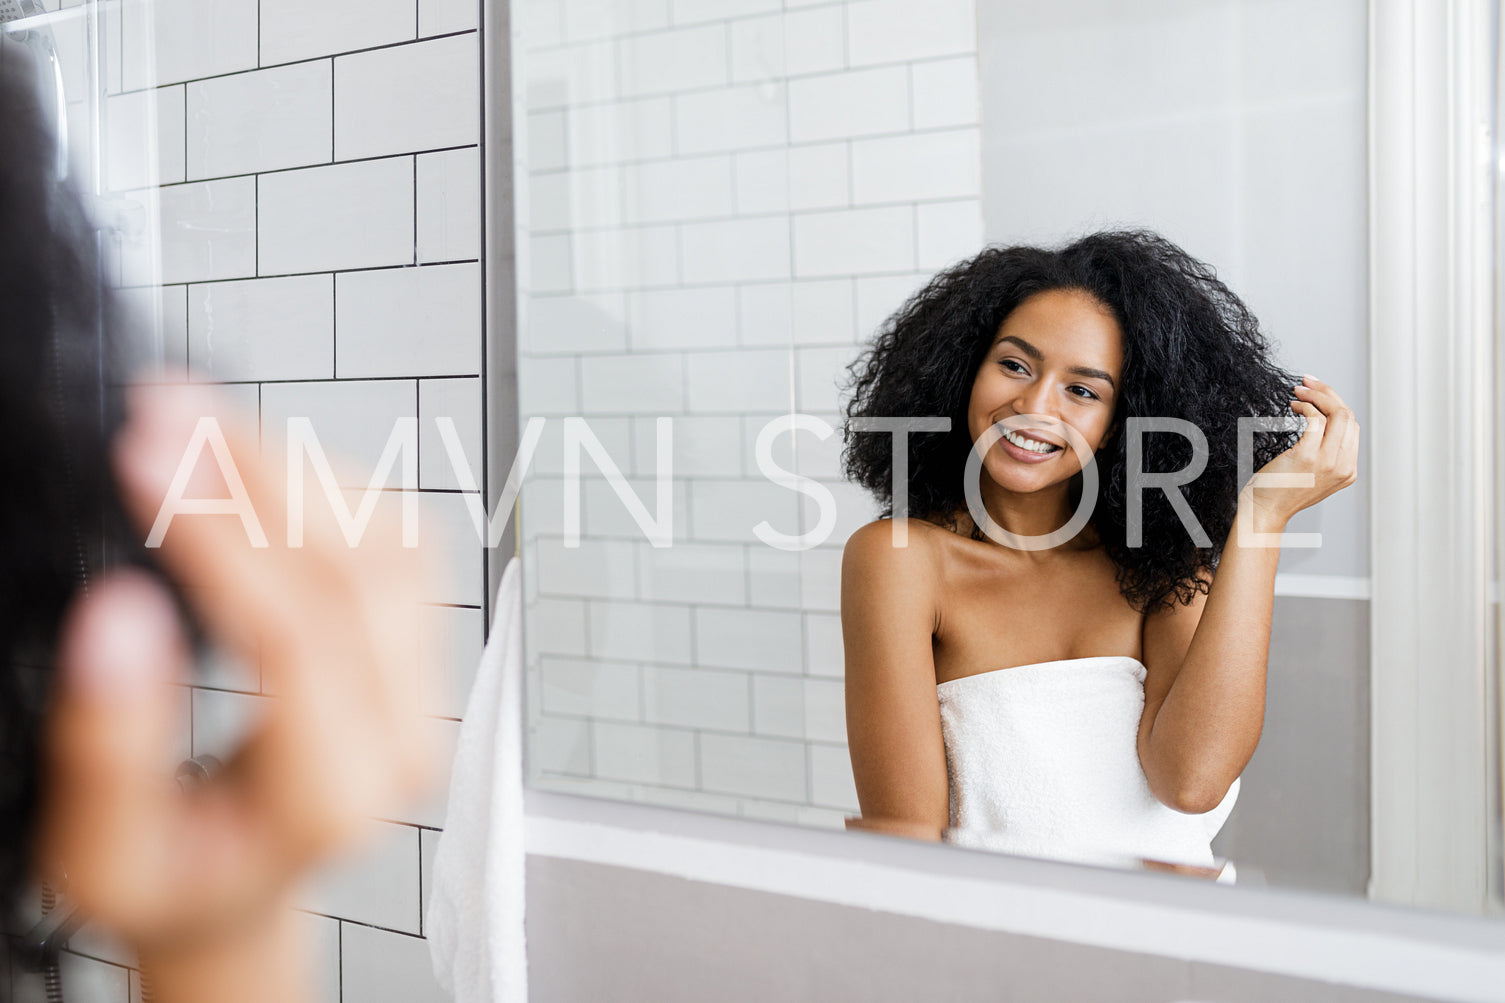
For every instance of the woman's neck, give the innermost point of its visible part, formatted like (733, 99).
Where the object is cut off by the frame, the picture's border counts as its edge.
(1034, 514)
(1037, 513)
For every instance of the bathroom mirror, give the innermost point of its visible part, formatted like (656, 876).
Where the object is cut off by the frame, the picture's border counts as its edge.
(719, 202)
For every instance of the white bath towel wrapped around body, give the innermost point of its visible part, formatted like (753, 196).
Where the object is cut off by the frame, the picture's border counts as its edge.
(1043, 761)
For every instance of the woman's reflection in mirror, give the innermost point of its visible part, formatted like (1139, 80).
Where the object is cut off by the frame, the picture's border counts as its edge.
(1089, 691)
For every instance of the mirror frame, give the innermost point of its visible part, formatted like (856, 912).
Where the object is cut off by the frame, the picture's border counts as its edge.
(1434, 785)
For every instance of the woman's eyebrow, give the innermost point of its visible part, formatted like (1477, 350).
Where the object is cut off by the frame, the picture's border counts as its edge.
(1039, 356)
(1024, 347)
(1097, 373)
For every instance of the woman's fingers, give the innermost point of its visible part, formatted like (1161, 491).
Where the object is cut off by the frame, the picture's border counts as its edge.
(340, 740)
(225, 561)
(1316, 423)
(1323, 397)
(111, 747)
(1340, 421)
(1349, 451)
(247, 584)
(162, 867)
(1324, 457)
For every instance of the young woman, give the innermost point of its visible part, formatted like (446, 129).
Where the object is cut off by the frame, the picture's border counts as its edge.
(1092, 695)
(199, 884)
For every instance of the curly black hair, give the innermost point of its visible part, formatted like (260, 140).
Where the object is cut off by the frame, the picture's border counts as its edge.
(1192, 350)
(58, 406)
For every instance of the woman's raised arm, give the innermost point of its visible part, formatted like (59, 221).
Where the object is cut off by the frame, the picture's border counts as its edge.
(1205, 692)
(888, 614)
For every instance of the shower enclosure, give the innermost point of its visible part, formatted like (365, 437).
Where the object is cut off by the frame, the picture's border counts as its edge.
(93, 61)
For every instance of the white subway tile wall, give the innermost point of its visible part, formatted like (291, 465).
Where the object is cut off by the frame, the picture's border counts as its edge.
(449, 203)
(208, 231)
(380, 965)
(262, 329)
(409, 321)
(263, 120)
(354, 420)
(377, 886)
(318, 176)
(720, 200)
(336, 218)
(378, 110)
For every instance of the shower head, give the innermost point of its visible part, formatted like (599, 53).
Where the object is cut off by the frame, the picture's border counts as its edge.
(14, 10)
(48, 66)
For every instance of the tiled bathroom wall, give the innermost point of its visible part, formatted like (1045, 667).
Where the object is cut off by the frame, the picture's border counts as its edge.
(317, 202)
(718, 200)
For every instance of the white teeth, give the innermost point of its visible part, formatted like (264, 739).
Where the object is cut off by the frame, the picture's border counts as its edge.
(1030, 444)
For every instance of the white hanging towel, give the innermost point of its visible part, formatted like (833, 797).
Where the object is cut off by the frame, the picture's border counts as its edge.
(474, 922)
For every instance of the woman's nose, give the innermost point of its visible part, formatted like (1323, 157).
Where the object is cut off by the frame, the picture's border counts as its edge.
(1034, 399)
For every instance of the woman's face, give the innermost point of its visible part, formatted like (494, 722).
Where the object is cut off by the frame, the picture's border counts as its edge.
(1057, 358)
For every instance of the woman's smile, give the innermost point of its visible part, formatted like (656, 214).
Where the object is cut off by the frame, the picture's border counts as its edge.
(1026, 449)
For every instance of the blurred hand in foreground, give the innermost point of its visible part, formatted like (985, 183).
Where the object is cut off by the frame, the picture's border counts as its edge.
(199, 883)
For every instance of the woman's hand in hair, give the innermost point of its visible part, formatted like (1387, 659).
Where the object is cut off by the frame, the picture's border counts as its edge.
(199, 882)
(1327, 453)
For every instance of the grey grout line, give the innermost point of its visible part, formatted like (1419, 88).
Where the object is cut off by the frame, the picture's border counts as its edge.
(334, 326)
(909, 94)
(809, 765)
(726, 21)
(330, 379)
(489, 323)
(622, 97)
(627, 228)
(314, 274)
(914, 234)
(318, 165)
(596, 166)
(295, 62)
(687, 604)
(418, 439)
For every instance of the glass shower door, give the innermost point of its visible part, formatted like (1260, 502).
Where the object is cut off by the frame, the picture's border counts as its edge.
(93, 65)
(60, 44)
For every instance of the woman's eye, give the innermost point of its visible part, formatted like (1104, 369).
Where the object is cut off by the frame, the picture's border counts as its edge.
(1012, 366)
(1085, 394)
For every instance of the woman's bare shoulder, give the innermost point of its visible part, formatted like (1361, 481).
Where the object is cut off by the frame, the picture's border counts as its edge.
(890, 599)
(875, 551)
